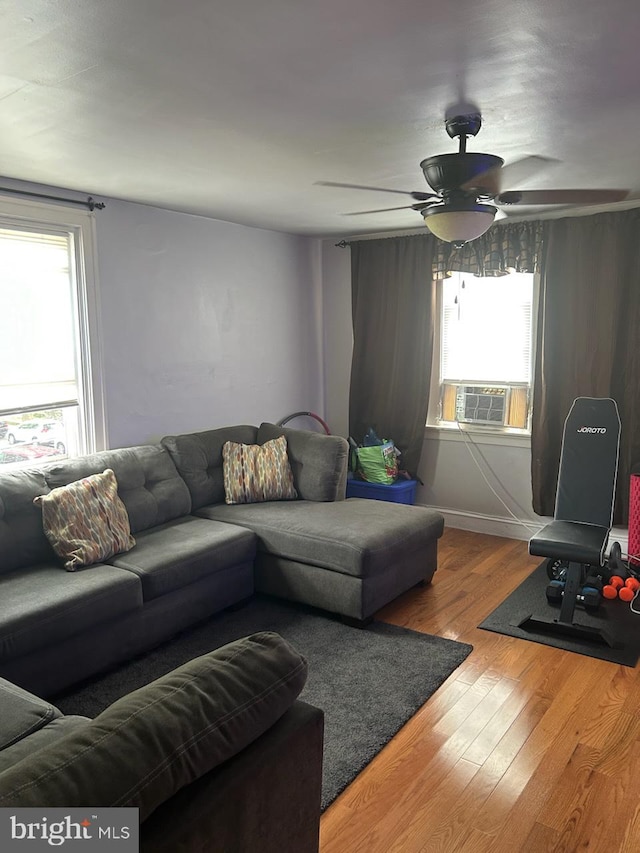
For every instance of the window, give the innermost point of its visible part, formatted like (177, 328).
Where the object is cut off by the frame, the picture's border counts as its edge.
(50, 391)
(485, 345)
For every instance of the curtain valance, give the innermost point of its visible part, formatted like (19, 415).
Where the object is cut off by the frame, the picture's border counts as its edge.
(506, 247)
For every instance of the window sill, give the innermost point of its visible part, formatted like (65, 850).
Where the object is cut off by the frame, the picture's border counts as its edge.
(511, 438)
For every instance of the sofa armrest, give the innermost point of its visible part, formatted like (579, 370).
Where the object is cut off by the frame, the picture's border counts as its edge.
(266, 798)
(319, 462)
(151, 743)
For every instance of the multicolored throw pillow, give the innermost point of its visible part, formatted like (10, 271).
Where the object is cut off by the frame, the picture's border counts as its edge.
(257, 472)
(86, 521)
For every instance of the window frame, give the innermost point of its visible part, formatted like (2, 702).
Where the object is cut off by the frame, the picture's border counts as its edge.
(494, 434)
(80, 224)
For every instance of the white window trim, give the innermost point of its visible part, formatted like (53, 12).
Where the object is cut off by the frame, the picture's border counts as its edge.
(485, 434)
(83, 226)
(505, 437)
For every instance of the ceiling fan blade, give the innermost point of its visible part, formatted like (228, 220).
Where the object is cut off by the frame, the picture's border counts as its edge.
(418, 196)
(492, 181)
(419, 206)
(561, 196)
(521, 170)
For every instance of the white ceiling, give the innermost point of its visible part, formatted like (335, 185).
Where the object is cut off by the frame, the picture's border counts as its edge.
(234, 108)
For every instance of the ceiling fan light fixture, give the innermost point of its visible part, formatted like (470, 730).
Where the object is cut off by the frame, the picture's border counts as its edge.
(459, 223)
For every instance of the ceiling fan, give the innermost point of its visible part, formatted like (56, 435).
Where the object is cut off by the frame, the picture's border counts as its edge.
(468, 186)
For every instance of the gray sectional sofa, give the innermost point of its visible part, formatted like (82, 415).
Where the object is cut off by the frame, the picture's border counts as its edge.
(219, 754)
(194, 554)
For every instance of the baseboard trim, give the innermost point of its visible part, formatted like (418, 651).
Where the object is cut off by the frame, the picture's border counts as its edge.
(510, 528)
(492, 525)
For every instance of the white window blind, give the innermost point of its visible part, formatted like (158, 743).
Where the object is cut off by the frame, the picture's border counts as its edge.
(38, 341)
(486, 329)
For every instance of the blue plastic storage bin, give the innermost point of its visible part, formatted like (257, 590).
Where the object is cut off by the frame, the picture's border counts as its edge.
(401, 492)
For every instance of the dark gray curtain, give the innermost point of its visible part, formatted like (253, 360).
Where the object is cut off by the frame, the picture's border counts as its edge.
(393, 322)
(588, 342)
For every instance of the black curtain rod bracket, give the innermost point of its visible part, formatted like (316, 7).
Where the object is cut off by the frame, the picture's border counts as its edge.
(342, 244)
(89, 202)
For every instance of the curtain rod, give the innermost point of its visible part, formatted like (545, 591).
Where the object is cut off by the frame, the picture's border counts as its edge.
(342, 244)
(91, 203)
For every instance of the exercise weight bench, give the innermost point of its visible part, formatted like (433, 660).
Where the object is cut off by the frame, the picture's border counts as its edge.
(584, 510)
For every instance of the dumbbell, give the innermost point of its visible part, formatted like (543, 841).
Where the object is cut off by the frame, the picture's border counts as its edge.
(555, 591)
(610, 591)
(628, 591)
(590, 595)
(617, 588)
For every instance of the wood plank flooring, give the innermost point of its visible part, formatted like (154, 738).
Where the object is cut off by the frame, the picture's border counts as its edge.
(524, 748)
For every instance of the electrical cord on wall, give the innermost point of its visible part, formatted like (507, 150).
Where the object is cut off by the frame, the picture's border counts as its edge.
(469, 442)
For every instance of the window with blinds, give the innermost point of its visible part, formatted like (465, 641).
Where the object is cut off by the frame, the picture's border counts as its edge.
(45, 398)
(486, 350)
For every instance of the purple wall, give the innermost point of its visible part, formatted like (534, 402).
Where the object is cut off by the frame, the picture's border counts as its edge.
(204, 323)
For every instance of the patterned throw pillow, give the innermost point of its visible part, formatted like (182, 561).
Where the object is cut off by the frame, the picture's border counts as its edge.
(257, 472)
(86, 521)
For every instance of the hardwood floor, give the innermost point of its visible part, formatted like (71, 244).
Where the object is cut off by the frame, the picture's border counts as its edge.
(524, 748)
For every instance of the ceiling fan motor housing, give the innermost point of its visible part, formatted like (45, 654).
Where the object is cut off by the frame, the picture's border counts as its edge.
(446, 173)
(463, 125)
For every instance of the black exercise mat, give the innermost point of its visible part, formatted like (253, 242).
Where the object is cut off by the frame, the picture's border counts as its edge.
(529, 599)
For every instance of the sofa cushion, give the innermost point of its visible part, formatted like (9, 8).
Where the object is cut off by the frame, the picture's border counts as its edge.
(183, 551)
(356, 536)
(154, 741)
(319, 462)
(148, 484)
(257, 472)
(44, 604)
(198, 458)
(55, 729)
(86, 521)
(21, 714)
(22, 539)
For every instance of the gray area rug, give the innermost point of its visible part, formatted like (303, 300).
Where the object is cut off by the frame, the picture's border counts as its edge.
(369, 681)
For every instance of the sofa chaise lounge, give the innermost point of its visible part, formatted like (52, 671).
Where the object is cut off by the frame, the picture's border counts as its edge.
(348, 556)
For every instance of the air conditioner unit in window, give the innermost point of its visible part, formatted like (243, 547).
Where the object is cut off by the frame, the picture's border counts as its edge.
(477, 404)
